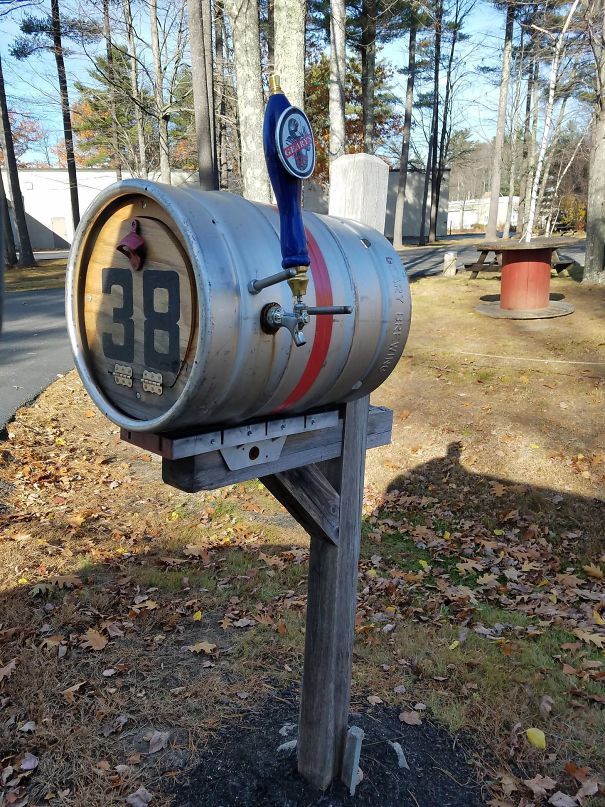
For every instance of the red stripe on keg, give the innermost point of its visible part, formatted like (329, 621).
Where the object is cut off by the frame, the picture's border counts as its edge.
(323, 325)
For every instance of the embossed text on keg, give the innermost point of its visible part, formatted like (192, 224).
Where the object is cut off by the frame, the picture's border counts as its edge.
(393, 351)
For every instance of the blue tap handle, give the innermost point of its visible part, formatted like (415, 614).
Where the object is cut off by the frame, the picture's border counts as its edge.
(290, 155)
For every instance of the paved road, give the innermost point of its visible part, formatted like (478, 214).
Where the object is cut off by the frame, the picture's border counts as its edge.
(33, 347)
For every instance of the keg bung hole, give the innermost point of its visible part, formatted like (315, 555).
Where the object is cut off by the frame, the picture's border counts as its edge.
(254, 453)
(366, 242)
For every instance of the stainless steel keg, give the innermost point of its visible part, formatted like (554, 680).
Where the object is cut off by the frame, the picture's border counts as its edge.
(167, 335)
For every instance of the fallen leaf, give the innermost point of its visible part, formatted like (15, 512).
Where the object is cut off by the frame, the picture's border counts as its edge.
(29, 762)
(498, 489)
(244, 623)
(94, 640)
(158, 741)
(597, 639)
(546, 704)
(594, 571)
(560, 799)
(70, 692)
(410, 718)
(28, 727)
(589, 788)
(540, 785)
(374, 700)
(197, 616)
(579, 774)
(8, 670)
(201, 647)
(537, 738)
(508, 783)
(140, 798)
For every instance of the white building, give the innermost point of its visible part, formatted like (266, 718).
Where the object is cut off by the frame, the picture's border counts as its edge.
(45, 194)
(472, 214)
(47, 205)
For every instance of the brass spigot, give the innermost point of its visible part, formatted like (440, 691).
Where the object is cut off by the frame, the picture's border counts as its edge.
(274, 84)
(298, 284)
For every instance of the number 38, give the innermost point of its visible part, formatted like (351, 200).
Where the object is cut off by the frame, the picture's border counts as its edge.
(162, 321)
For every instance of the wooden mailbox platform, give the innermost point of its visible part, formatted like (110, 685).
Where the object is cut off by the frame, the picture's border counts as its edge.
(314, 465)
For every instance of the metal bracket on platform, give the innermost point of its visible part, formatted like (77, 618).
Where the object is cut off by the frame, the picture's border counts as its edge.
(211, 459)
(247, 455)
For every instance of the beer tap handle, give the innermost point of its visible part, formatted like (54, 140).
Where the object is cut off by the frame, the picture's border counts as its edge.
(290, 157)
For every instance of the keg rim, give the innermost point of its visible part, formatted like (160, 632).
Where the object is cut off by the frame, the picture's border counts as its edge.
(161, 194)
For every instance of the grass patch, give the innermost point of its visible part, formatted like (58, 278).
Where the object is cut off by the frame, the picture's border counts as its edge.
(49, 274)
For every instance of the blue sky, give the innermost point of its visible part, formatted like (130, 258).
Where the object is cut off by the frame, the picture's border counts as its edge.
(31, 85)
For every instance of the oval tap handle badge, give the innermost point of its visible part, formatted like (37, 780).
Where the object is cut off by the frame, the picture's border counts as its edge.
(294, 143)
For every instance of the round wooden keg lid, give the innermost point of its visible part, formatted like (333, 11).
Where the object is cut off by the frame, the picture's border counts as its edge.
(139, 325)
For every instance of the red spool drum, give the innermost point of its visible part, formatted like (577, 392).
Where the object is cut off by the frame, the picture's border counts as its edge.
(525, 279)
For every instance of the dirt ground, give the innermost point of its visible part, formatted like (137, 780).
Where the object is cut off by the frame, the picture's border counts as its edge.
(140, 627)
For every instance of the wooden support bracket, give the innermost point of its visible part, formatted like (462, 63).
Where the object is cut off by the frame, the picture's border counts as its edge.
(309, 498)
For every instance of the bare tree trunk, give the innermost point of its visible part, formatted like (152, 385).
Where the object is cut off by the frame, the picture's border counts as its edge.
(271, 36)
(158, 91)
(549, 157)
(65, 113)
(207, 168)
(26, 255)
(134, 89)
(554, 73)
(425, 193)
(445, 127)
(337, 78)
(289, 32)
(594, 269)
(246, 49)
(111, 91)
(405, 141)
(511, 187)
(207, 27)
(525, 152)
(533, 142)
(492, 222)
(9, 254)
(435, 125)
(220, 98)
(368, 71)
(514, 146)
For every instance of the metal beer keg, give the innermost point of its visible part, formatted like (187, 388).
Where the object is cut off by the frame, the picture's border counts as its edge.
(168, 333)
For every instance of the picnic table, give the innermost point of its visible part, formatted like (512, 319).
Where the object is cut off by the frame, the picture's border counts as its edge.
(525, 283)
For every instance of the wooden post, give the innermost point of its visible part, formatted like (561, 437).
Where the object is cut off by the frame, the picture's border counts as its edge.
(318, 477)
(332, 600)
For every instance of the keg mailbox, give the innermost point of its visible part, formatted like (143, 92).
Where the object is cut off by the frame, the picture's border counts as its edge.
(239, 342)
(186, 309)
